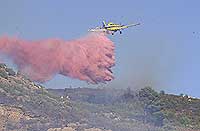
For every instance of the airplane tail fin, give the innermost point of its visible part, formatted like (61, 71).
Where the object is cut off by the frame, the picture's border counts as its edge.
(104, 23)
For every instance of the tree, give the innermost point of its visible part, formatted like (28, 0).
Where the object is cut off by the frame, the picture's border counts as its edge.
(162, 92)
(147, 95)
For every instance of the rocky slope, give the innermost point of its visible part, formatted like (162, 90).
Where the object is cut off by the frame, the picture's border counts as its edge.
(26, 106)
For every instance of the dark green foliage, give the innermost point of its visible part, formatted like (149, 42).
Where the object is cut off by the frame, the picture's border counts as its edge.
(10, 71)
(2, 65)
(147, 95)
(177, 109)
(152, 108)
(156, 118)
(162, 92)
(3, 74)
(169, 115)
(184, 120)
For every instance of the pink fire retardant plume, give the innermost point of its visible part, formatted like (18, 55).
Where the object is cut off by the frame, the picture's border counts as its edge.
(89, 58)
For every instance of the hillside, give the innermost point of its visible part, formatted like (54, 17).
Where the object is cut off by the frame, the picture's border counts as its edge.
(164, 111)
(26, 106)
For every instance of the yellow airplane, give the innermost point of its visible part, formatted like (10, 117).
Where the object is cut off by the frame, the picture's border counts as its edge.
(112, 27)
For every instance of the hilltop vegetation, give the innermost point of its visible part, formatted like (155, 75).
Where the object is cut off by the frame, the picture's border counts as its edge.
(164, 111)
(26, 106)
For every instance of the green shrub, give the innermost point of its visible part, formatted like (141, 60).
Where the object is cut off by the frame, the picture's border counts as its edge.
(2, 65)
(169, 114)
(10, 71)
(162, 92)
(184, 120)
(3, 74)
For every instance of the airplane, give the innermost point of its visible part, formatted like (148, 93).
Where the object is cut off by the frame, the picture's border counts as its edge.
(111, 28)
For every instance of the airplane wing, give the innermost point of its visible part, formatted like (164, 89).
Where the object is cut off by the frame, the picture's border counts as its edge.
(127, 26)
(133, 25)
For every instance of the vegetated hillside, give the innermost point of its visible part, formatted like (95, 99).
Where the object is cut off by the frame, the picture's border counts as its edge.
(26, 106)
(162, 110)
(180, 110)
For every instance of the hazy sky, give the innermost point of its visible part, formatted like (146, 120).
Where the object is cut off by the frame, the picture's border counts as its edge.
(163, 52)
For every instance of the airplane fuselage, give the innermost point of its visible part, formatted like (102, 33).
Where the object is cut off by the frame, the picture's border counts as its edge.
(111, 28)
(115, 28)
